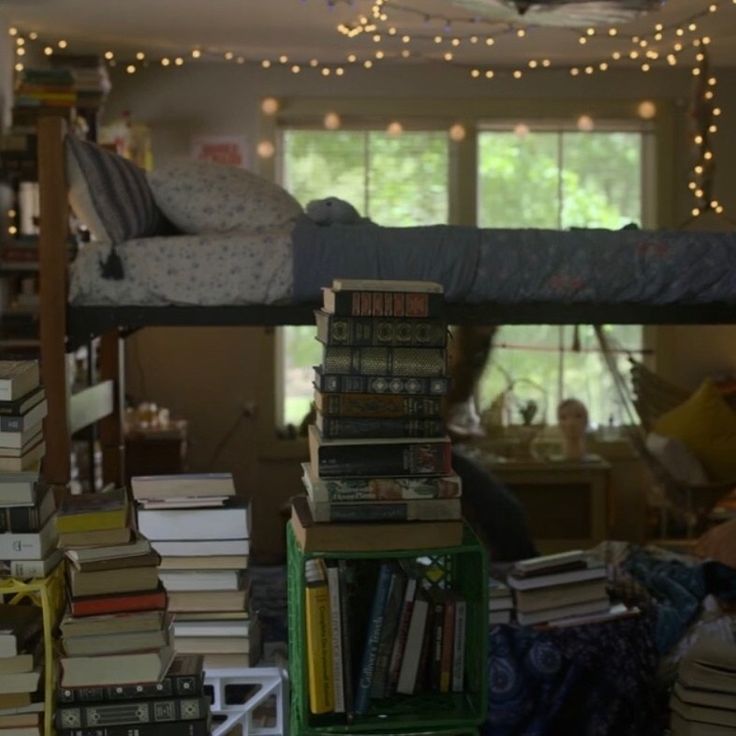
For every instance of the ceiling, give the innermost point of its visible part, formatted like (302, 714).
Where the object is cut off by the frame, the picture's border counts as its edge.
(306, 29)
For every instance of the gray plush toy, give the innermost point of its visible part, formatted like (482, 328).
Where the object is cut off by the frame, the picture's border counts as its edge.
(334, 211)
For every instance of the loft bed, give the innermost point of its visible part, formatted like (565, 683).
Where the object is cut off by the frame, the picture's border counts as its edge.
(699, 287)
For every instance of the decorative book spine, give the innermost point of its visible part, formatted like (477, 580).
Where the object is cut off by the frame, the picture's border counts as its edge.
(338, 383)
(137, 711)
(432, 510)
(174, 728)
(402, 631)
(405, 362)
(384, 459)
(319, 639)
(21, 519)
(363, 428)
(333, 584)
(388, 304)
(373, 636)
(458, 646)
(345, 490)
(333, 330)
(377, 405)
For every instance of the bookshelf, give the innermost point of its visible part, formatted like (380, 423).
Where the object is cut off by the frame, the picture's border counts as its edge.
(463, 568)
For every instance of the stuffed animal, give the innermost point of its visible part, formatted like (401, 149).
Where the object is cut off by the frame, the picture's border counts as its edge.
(334, 211)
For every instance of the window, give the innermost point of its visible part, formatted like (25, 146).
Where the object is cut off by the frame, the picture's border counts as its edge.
(395, 180)
(580, 179)
(550, 177)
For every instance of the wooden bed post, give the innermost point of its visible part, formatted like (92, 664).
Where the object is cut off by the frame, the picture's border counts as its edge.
(111, 426)
(54, 224)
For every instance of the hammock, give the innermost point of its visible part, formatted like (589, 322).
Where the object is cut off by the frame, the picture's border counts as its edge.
(653, 396)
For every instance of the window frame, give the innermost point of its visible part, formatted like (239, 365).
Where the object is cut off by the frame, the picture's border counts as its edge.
(474, 114)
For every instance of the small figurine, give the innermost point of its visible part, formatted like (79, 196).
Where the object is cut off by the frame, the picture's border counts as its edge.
(572, 417)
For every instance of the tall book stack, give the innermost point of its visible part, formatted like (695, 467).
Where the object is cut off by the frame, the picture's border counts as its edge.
(703, 700)
(27, 505)
(378, 448)
(201, 529)
(21, 667)
(176, 705)
(379, 478)
(115, 632)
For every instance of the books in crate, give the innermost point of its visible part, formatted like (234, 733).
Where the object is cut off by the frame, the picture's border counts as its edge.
(376, 631)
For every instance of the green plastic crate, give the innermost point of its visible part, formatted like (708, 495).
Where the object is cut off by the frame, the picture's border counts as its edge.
(465, 569)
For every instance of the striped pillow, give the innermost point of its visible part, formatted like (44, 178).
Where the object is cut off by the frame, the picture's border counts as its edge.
(110, 195)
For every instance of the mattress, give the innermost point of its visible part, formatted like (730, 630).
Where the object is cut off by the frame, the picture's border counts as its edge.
(291, 264)
(253, 267)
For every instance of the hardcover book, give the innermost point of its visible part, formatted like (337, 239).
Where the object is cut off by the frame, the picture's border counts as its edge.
(184, 678)
(338, 490)
(28, 519)
(385, 303)
(17, 378)
(377, 457)
(93, 512)
(29, 415)
(330, 383)
(388, 406)
(116, 669)
(18, 408)
(20, 489)
(133, 713)
(364, 428)
(380, 332)
(363, 537)
(95, 605)
(156, 487)
(424, 510)
(174, 728)
(402, 362)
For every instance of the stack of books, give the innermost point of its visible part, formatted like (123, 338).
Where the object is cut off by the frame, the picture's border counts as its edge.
(201, 529)
(91, 81)
(41, 89)
(115, 631)
(500, 602)
(559, 587)
(21, 667)
(379, 478)
(378, 448)
(703, 701)
(27, 505)
(176, 705)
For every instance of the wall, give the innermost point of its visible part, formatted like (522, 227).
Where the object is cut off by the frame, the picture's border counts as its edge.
(209, 375)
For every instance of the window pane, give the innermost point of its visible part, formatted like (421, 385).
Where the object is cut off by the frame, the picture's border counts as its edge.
(408, 177)
(601, 179)
(578, 179)
(518, 179)
(396, 181)
(323, 163)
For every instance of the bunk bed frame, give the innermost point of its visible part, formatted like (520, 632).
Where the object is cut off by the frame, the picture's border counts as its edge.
(64, 326)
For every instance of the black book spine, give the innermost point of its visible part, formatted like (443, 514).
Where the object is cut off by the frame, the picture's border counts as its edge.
(401, 362)
(384, 459)
(11, 424)
(20, 520)
(176, 728)
(186, 685)
(129, 712)
(366, 427)
(380, 332)
(331, 383)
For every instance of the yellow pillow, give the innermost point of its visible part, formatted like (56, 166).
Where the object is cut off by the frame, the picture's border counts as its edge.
(707, 426)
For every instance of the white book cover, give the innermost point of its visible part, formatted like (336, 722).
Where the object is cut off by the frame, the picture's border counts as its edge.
(204, 548)
(559, 558)
(563, 613)
(201, 580)
(18, 440)
(230, 522)
(214, 628)
(25, 569)
(560, 578)
(17, 378)
(333, 584)
(33, 546)
(413, 648)
(19, 489)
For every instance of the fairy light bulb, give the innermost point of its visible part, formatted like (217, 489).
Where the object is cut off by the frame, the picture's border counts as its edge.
(647, 110)
(475, 73)
(140, 56)
(62, 44)
(266, 64)
(196, 54)
(490, 74)
(521, 130)
(178, 61)
(457, 132)
(395, 129)
(48, 51)
(585, 123)
(109, 55)
(269, 106)
(295, 69)
(130, 69)
(332, 121)
(265, 149)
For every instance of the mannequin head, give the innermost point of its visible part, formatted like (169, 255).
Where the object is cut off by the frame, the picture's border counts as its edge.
(572, 417)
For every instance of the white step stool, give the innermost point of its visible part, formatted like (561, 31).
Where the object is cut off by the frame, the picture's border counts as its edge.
(273, 682)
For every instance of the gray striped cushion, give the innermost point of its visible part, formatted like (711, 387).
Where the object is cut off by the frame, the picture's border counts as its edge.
(110, 194)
